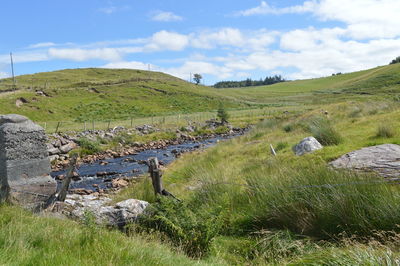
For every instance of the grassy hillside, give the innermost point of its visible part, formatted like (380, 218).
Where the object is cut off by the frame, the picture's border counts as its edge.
(106, 94)
(117, 94)
(368, 84)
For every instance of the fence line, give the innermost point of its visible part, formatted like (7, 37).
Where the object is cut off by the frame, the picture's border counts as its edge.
(160, 121)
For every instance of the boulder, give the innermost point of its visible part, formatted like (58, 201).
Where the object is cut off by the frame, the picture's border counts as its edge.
(54, 151)
(76, 206)
(307, 145)
(382, 159)
(68, 147)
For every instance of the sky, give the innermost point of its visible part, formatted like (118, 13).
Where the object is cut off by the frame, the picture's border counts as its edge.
(219, 39)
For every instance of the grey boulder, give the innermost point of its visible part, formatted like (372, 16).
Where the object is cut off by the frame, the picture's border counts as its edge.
(77, 206)
(307, 145)
(382, 159)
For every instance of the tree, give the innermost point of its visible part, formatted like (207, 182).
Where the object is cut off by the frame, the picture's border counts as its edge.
(222, 114)
(197, 78)
(395, 61)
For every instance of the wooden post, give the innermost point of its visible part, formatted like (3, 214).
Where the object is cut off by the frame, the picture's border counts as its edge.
(61, 193)
(58, 125)
(272, 150)
(93, 125)
(156, 175)
(84, 126)
(108, 126)
(131, 122)
(45, 126)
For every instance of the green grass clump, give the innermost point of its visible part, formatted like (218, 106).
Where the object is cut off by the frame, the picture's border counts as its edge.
(385, 131)
(190, 230)
(324, 132)
(88, 146)
(320, 202)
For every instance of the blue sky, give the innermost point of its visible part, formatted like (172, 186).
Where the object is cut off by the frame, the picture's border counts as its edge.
(220, 39)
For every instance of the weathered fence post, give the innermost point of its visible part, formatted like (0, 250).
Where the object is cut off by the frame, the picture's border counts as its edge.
(156, 175)
(131, 122)
(93, 125)
(84, 126)
(61, 193)
(156, 178)
(57, 127)
(108, 125)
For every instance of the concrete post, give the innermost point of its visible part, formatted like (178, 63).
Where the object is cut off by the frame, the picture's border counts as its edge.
(24, 162)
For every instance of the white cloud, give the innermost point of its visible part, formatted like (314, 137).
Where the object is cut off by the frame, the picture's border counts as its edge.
(108, 10)
(232, 37)
(188, 67)
(130, 65)
(41, 45)
(166, 40)
(4, 75)
(76, 54)
(264, 8)
(164, 16)
(365, 19)
(112, 9)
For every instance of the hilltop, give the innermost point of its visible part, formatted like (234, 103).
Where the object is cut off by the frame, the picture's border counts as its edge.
(106, 94)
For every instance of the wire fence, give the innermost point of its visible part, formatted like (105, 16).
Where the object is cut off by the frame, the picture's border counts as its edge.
(159, 121)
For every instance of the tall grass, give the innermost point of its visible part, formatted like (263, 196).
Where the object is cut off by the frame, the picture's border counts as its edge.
(385, 131)
(26, 239)
(321, 202)
(324, 132)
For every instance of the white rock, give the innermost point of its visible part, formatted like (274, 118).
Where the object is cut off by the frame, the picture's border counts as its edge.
(307, 145)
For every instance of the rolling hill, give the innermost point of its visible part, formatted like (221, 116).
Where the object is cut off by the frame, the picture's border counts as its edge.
(106, 94)
(114, 94)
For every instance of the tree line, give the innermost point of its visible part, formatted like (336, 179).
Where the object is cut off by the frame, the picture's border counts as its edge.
(249, 82)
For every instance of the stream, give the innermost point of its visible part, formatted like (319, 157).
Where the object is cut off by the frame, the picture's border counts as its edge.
(100, 173)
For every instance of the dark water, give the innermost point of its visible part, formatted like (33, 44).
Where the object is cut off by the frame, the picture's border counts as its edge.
(132, 165)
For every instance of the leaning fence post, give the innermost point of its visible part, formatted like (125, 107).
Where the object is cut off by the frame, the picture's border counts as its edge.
(58, 125)
(272, 150)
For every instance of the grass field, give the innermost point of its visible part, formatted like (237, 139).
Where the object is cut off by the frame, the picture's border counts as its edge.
(242, 205)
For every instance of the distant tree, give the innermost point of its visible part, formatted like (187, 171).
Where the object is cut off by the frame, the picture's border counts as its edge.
(197, 78)
(222, 114)
(395, 61)
(249, 82)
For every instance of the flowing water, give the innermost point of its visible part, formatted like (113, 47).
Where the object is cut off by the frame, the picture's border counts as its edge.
(100, 173)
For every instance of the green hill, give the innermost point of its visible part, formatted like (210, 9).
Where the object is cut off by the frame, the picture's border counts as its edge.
(103, 94)
(116, 94)
(376, 83)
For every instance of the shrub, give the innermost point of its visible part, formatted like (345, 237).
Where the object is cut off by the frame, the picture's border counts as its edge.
(193, 232)
(221, 130)
(324, 132)
(288, 128)
(89, 146)
(281, 145)
(222, 114)
(385, 131)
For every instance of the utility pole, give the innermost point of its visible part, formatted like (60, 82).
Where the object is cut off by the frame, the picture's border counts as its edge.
(12, 71)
